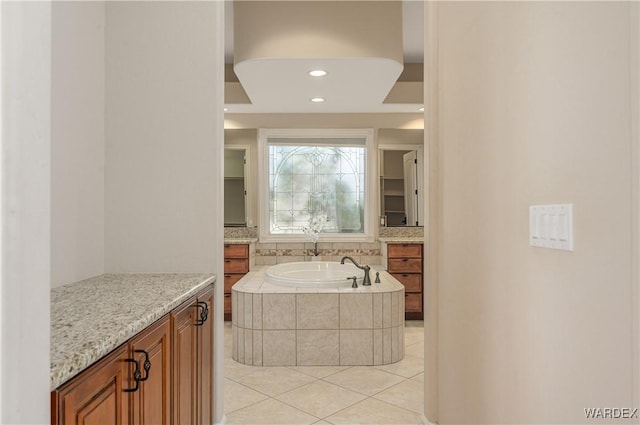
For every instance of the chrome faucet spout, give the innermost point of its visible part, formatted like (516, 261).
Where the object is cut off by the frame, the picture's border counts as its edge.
(367, 279)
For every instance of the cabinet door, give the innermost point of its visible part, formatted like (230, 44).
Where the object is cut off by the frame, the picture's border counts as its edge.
(96, 396)
(151, 403)
(185, 343)
(205, 360)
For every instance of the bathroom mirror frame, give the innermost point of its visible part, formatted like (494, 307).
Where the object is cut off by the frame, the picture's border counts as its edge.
(419, 180)
(247, 185)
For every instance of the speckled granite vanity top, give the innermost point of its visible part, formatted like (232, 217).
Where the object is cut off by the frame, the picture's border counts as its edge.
(239, 241)
(401, 239)
(92, 317)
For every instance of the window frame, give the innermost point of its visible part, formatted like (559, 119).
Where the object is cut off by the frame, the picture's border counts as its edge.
(265, 134)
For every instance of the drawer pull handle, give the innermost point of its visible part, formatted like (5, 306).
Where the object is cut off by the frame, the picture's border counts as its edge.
(227, 261)
(227, 295)
(405, 275)
(227, 275)
(405, 260)
(137, 376)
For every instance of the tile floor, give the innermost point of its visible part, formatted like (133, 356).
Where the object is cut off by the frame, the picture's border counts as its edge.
(363, 395)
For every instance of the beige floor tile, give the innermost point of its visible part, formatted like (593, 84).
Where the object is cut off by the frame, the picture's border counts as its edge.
(234, 370)
(407, 394)
(414, 324)
(365, 380)
(271, 412)
(319, 371)
(237, 396)
(275, 380)
(419, 378)
(320, 398)
(411, 337)
(375, 412)
(408, 367)
(228, 336)
(415, 350)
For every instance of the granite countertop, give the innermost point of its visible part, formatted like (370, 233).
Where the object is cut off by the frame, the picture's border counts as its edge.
(239, 241)
(401, 239)
(92, 317)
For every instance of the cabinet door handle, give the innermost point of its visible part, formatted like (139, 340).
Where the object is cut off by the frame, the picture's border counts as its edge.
(204, 312)
(146, 365)
(136, 376)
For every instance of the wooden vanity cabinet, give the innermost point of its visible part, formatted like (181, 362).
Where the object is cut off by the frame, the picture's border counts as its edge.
(96, 396)
(404, 262)
(236, 265)
(193, 361)
(151, 403)
(176, 388)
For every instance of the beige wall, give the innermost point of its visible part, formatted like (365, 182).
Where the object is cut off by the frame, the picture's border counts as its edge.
(77, 141)
(396, 120)
(534, 108)
(161, 137)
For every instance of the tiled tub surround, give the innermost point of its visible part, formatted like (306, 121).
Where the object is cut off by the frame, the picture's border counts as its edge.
(285, 326)
(92, 317)
(277, 253)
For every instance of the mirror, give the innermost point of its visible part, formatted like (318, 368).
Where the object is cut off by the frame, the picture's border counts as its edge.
(401, 186)
(235, 187)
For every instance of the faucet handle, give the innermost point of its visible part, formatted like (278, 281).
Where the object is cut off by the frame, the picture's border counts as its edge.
(355, 284)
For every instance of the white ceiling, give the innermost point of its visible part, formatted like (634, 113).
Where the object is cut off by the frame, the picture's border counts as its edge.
(295, 99)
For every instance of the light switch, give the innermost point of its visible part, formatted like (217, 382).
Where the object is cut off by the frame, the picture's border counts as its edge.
(551, 226)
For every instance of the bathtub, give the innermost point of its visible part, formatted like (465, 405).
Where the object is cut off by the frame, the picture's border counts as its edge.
(307, 314)
(316, 274)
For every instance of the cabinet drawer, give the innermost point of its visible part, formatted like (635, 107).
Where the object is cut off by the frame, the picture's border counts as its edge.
(413, 303)
(236, 251)
(230, 280)
(404, 250)
(412, 281)
(236, 265)
(227, 303)
(404, 265)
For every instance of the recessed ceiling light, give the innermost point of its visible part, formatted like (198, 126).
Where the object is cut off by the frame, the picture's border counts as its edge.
(318, 99)
(318, 73)
(421, 109)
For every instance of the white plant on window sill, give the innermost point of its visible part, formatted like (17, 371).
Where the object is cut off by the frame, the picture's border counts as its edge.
(316, 224)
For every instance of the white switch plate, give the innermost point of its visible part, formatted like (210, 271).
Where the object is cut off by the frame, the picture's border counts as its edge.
(551, 226)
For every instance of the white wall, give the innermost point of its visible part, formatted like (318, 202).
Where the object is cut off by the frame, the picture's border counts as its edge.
(161, 134)
(77, 141)
(534, 108)
(165, 144)
(25, 212)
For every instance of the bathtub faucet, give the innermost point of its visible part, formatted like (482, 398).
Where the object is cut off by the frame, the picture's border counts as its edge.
(367, 279)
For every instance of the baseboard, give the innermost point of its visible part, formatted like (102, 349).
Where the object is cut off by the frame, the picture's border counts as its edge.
(426, 421)
(223, 421)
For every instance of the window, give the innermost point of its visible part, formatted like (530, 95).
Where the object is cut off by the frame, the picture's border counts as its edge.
(316, 173)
